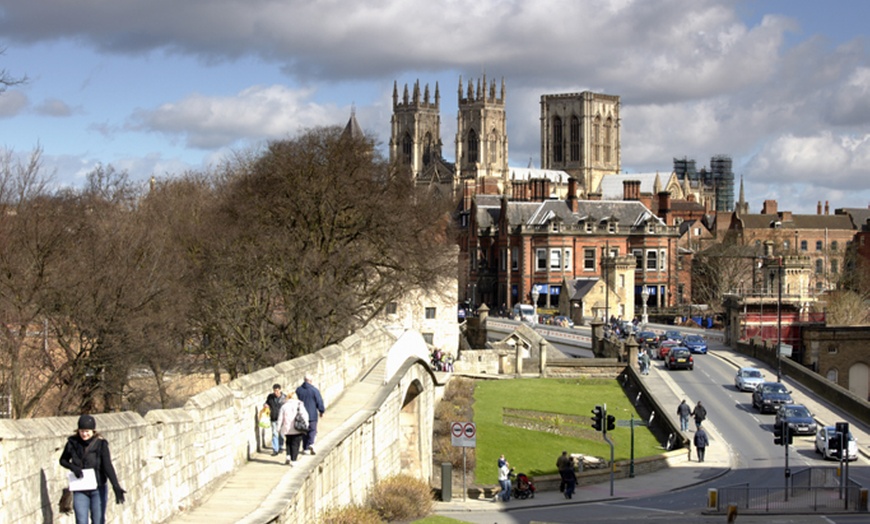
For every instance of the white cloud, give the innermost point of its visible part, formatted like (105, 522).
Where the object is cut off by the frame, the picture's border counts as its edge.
(12, 103)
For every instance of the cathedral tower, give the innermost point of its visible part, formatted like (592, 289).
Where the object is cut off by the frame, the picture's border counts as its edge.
(481, 134)
(580, 134)
(415, 139)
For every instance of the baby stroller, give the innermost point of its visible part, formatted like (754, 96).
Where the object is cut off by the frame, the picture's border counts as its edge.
(523, 487)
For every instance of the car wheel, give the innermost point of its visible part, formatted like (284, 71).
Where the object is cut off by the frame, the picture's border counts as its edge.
(691, 368)
(817, 449)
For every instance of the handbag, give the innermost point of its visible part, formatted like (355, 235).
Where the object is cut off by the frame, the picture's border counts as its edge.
(299, 422)
(265, 420)
(66, 502)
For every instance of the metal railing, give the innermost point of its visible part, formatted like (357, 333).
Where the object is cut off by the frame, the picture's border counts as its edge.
(811, 489)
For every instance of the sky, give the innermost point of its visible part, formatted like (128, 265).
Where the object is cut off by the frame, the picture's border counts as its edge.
(162, 87)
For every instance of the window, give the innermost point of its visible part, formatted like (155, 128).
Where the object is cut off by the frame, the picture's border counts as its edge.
(596, 139)
(472, 259)
(820, 266)
(651, 259)
(819, 245)
(638, 254)
(679, 261)
(622, 281)
(608, 139)
(557, 139)
(556, 259)
(832, 350)
(575, 139)
(554, 226)
(502, 259)
(803, 245)
(515, 258)
(589, 259)
(835, 267)
(430, 313)
(589, 230)
(493, 147)
(407, 147)
(832, 375)
(697, 231)
(662, 259)
(427, 149)
(611, 227)
(786, 245)
(566, 259)
(541, 259)
(472, 147)
(392, 307)
(834, 245)
(429, 338)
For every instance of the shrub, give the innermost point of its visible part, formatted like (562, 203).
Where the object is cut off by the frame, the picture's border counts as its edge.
(401, 497)
(352, 514)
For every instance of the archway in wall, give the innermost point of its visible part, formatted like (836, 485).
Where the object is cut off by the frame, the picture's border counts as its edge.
(409, 429)
(859, 379)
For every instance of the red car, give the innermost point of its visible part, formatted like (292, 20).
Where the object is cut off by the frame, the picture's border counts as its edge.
(666, 346)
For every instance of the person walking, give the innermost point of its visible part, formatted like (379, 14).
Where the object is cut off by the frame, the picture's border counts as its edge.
(701, 443)
(310, 396)
(292, 436)
(87, 453)
(645, 359)
(566, 472)
(504, 479)
(274, 401)
(700, 414)
(683, 410)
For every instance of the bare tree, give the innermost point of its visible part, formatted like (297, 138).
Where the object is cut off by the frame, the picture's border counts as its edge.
(8, 80)
(723, 268)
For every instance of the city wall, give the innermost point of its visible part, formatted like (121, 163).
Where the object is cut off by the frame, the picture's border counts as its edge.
(169, 460)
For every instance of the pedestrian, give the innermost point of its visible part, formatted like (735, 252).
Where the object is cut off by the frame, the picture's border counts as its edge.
(87, 455)
(565, 464)
(701, 443)
(292, 436)
(274, 401)
(309, 395)
(504, 479)
(645, 359)
(683, 410)
(700, 414)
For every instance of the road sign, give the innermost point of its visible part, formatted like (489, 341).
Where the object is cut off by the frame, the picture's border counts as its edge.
(463, 434)
(785, 350)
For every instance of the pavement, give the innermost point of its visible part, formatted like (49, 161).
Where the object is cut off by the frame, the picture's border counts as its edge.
(718, 460)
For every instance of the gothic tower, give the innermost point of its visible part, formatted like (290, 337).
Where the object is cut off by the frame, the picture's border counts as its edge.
(415, 139)
(580, 134)
(481, 134)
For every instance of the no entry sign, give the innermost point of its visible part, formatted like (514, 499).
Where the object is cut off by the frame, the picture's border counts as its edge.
(463, 434)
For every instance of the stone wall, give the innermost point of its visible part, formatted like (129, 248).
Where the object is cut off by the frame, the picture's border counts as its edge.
(171, 459)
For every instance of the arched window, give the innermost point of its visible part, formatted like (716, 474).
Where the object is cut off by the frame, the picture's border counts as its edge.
(832, 375)
(820, 266)
(493, 146)
(472, 147)
(557, 140)
(407, 148)
(596, 139)
(427, 149)
(608, 140)
(819, 245)
(575, 139)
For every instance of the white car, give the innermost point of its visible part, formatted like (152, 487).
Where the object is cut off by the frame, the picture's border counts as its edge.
(747, 379)
(828, 442)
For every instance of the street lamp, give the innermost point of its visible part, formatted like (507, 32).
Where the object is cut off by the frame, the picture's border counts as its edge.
(535, 295)
(779, 327)
(644, 296)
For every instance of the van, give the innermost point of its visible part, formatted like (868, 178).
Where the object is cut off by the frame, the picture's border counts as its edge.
(524, 313)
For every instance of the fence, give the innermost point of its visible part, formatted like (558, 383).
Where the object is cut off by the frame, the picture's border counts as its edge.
(810, 489)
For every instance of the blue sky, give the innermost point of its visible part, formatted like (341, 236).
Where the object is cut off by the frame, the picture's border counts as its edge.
(160, 87)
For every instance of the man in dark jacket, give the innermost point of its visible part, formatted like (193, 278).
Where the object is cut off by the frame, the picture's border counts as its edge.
(683, 410)
(700, 414)
(310, 397)
(701, 442)
(274, 401)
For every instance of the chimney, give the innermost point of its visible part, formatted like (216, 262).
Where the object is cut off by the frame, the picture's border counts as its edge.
(631, 189)
(827, 209)
(572, 195)
(664, 205)
(769, 207)
(597, 196)
(819, 208)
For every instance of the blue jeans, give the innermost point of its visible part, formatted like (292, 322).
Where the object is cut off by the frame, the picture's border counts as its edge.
(505, 493)
(91, 502)
(684, 423)
(277, 437)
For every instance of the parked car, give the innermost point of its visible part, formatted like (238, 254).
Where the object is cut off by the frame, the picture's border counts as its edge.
(563, 321)
(696, 344)
(769, 396)
(680, 358)
(799, 419)
(747, 379)
(828, 443)
(648, 338)
(666, 346)
(673, 334)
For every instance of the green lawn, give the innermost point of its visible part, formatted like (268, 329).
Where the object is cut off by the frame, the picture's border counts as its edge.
(535, 452)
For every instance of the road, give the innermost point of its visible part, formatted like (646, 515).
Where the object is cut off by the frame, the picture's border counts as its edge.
(749, 435)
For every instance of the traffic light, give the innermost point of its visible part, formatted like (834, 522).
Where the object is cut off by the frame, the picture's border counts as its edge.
(842, 441)
(611, 422)
(781, 434)
(598, 416)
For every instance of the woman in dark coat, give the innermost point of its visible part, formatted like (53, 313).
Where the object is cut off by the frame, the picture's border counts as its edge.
(84, 450)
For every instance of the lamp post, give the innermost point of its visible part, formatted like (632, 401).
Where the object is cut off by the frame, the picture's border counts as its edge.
(779, 326)
(644, 296)
(535, 295)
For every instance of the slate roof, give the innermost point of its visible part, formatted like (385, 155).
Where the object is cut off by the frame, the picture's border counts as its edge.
(530, 173)
(579, 287)
(798, 222)
(858, 215)
(631, 213)
(611, 185)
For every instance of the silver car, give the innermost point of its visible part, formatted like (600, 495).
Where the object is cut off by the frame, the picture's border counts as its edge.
(747, 379)
(828, 442)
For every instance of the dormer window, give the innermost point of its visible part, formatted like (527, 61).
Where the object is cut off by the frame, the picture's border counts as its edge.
(611, 227)
(554, 226)
(588, 227)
